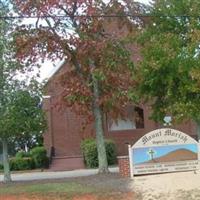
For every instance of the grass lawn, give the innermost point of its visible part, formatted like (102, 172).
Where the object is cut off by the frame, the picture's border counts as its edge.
(43, 188)
(98, 187)
(63, 190)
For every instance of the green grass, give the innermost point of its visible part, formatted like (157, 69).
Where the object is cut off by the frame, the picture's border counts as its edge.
(42, 188)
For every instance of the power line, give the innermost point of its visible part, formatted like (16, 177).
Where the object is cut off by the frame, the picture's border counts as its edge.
(97, 16)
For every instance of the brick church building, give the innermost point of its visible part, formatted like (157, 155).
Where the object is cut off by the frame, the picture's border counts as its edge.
(64, 135)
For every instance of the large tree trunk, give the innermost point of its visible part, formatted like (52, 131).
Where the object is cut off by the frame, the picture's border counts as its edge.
(198, 129)
(102, 158)
(7, 176)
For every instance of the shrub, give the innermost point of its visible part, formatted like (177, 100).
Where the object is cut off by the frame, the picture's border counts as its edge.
(89, 149)
(21, 164)
(111, 152)
(22, 154)
(39, 155)
(1, 167)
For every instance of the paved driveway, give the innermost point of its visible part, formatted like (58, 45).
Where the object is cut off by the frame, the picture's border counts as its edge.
(55, 175)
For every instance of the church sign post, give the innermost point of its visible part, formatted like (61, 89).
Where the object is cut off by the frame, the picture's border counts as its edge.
(164, 150)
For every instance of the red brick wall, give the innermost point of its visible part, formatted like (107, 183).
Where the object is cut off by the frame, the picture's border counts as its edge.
(48, 140)
(124, 166)
(65, 131)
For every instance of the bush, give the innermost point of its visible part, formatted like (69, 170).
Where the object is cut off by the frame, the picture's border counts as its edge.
(39, 155)
(1, 167)
(21, 164)
(22, 154)
(89, 149)
(111, 152)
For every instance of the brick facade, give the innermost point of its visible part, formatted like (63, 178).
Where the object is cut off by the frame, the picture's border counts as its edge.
(65, 134)
(124, 166)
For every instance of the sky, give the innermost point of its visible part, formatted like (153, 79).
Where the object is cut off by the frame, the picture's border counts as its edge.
(49, 68)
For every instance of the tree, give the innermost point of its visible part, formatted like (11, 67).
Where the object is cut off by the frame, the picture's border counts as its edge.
(25, 142)
(99, 73)
(169, 74)
(6, 68)
(19, 111)
(21, 117)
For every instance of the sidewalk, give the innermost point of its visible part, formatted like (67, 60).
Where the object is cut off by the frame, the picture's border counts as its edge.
(55, 175)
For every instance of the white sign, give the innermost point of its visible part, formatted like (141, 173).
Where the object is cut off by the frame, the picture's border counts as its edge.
(164, 150)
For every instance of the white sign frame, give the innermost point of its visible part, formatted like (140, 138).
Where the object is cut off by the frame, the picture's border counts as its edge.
(165, 138)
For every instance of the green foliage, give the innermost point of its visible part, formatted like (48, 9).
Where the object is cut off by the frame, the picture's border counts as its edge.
(1, 167)
(89, 149)
(20, 113)
(36, 158)
(23, 116)
(21, 164)
(22, 154)
(39, 155)
(111, 152)
(169, 75)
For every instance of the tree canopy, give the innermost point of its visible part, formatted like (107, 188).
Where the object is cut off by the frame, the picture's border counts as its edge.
(74, 38)
(99, 62)
(23, 114)
(169, 74)
(20, 113)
